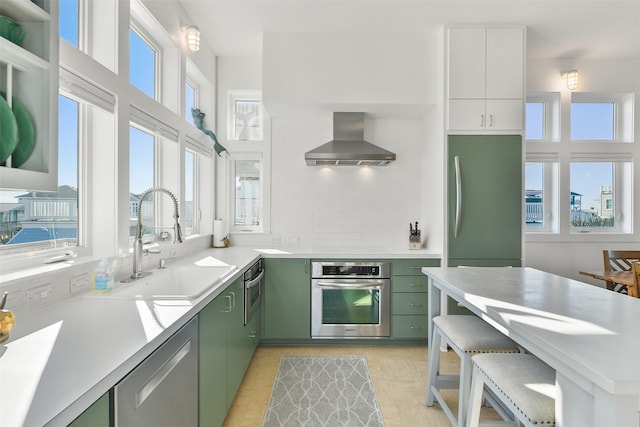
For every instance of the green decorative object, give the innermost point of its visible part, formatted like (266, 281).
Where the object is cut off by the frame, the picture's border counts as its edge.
(26, 133)
(8, 131)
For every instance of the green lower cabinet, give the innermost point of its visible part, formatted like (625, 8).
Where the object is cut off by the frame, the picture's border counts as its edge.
(287, 299)
(409, 303)
(409, 327)
(212, 397)
(97, 415)
(409, 299)
(226, 346)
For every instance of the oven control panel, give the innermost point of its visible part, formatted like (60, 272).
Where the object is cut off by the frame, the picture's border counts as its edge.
(350, 269)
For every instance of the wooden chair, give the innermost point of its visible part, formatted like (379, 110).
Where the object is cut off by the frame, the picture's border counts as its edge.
(635, 291)
(619, 261)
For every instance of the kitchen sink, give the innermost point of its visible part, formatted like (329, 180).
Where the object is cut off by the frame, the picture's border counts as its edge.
(176, 282)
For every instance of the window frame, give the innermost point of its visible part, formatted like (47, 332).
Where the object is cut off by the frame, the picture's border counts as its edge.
(622, 194)
(562, 152)
(622, 114)
(145, 36)
(195, 226)
(551, 116)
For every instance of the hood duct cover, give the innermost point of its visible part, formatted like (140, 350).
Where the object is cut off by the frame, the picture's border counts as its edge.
(348, 147)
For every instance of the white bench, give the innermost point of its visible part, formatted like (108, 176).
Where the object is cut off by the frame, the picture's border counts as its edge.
(523, 384)
(466, 335)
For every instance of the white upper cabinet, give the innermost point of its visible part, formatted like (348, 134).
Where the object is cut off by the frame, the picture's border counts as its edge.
(486, 78)
(29, 79)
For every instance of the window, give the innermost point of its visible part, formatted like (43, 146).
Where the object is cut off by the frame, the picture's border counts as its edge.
(534, 200)
(141, 178)
(245, 116)
(535, 121)
(50, 218)
(249, 146)
(541, 202)
(543, 117)
(592, 120)
(247, 193)
(190, 180)
(190, 101)
(605, 117)
(598, 199)
(69, 21)
(142, 64)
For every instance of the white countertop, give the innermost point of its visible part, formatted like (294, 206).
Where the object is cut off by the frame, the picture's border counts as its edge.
(585, 332)
(63, 357)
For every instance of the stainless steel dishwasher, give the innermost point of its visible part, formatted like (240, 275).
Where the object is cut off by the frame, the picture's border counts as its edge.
(163, 389)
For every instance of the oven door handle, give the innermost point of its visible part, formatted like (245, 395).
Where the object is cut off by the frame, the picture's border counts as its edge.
(254, 282)
(349, 285)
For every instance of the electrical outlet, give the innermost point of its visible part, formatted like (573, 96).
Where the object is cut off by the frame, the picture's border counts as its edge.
(15, 301)
(38, 296)
(79, 283)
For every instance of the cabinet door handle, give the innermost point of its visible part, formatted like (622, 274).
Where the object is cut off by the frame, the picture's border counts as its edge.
(230, 304)
(481, 120)
(415, 268)
(458, 197)
(415, 304)
(253, 334)
(417, 285)
(490, 120)
(415, 327)
(233, 299)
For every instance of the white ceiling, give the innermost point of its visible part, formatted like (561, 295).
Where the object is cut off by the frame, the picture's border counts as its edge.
(556, 28)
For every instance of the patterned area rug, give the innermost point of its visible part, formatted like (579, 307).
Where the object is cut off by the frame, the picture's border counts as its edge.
(327, 391)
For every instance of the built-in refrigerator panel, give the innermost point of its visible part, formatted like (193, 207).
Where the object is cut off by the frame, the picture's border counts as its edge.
(485, 197)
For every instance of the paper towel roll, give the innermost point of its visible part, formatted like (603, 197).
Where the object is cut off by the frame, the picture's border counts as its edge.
(219, 233)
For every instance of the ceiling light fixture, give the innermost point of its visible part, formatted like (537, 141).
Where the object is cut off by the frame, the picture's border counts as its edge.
(193, 38)
(572, 79)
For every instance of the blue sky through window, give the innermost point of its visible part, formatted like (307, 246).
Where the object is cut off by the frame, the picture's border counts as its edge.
(142, 64)
(69, 21)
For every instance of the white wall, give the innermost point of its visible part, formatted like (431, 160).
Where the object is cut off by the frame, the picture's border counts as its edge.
(563, 253)
(351, 207)
(397, 86)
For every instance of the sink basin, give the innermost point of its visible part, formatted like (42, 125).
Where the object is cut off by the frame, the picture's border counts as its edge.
(177, 282)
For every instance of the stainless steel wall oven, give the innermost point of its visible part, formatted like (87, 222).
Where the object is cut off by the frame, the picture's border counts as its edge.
(350, 299)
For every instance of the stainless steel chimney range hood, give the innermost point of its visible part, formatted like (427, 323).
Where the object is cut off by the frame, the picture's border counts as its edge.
(348, 147)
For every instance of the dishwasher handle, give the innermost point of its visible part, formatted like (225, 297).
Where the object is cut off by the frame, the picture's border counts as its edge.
(162, 373)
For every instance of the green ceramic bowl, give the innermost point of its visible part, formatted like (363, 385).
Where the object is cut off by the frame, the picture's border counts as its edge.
(8, 131)
(11, 30)
(26, 133)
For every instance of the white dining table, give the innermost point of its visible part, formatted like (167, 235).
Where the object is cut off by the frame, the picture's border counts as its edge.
(589, 335)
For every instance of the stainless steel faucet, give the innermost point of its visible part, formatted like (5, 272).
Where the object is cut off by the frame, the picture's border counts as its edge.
(138, 250)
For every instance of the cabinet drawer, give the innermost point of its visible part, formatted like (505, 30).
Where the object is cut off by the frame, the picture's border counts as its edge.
(410, 283)
(409, 327)
(412, 267)
(409, 303)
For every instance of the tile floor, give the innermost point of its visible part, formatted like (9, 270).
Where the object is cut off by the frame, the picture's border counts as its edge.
(399, 375)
